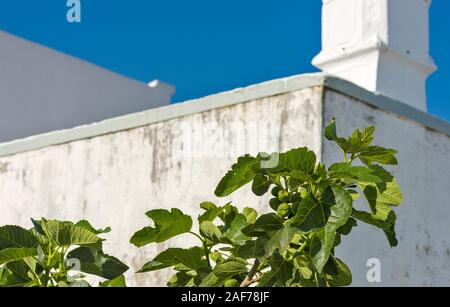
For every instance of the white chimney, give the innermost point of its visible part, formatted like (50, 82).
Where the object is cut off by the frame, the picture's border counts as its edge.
(380, 45)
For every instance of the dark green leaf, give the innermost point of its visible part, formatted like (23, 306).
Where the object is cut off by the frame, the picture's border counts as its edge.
(191, 258)
(19, 274)
(347, 228)
(14, 254)
(94, 261)
(233, 231)
(252, 249)
(311, 215)
(38, 227)
(281, 271)
(260, 185)
(240, 174)
(330, 131)
(168, 224)
(279, 240)
(330, 267)
(228, 214)
(265, 223)
(388, 225)
(321, 246)
(15, 236)
(144, 236)
(340, 203)
(343, 276)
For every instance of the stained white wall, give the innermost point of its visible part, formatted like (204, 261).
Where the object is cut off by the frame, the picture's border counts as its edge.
(43, 90)
(114, 179)
(422, 257)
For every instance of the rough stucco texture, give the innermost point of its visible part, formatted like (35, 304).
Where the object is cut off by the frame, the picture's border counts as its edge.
(423, 254)
(114, 179)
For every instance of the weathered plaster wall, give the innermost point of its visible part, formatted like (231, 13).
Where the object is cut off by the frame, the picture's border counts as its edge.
(423, 254)
(115, 178)
(114, 171)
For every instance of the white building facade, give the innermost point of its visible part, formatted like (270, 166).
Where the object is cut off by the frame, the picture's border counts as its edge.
(113, 171)
(43, 90)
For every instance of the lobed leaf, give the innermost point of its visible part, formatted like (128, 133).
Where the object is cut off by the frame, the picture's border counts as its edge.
(240, 174)
(281, 271)
(311, 215)
(264, 224)
(210, 231)
(261, 184)
(16, 237)
(94, 261)
(340, 202)
(14, 254)
(342, 277)
(168, 224)
(233, 231)
(211, 212)
(298, 159)
(67, 234)
(387, 225)
(377, 154)
(191, 258)
(86, 225)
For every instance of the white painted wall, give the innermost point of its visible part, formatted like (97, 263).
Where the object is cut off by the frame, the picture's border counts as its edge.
(43, 90)
(422, 257)
(114, 179)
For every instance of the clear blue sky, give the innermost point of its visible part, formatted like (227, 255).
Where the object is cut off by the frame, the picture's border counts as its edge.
(202, 46)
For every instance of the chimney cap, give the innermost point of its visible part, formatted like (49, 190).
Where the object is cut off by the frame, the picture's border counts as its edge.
(380, 45)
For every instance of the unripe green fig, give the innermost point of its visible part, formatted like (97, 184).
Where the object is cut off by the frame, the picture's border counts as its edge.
(274, 203)
(275, 191)
(304, 194)
(232, 283)
(283, 196)
(284, 210)
(216, 256)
